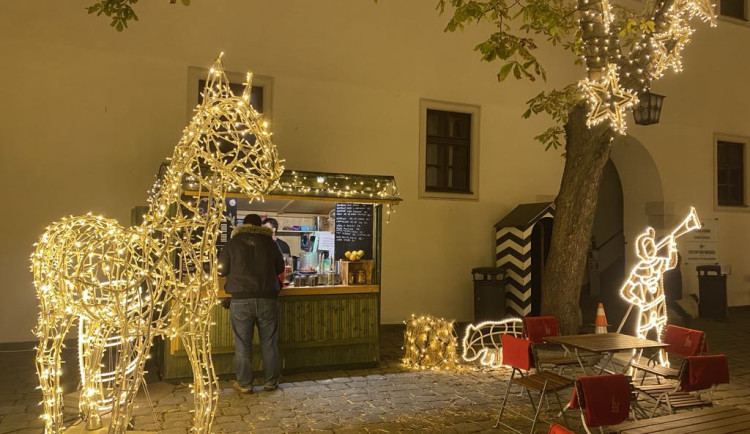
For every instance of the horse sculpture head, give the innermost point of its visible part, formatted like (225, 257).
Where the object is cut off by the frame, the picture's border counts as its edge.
(232, 139)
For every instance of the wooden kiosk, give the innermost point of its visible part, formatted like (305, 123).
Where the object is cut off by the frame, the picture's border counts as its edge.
(320, 326)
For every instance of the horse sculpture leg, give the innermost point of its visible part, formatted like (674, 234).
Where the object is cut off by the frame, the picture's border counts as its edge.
(51, 331)
(205, 384)
(128, 377)
(92, 343)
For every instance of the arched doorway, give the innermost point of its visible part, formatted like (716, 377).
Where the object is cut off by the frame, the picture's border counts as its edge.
(630, 199)
(605, 265)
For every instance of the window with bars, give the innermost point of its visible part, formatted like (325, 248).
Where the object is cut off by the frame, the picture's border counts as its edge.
(448, 152)
(730, 173)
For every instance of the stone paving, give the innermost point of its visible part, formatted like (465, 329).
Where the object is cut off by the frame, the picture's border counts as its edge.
(388, 398)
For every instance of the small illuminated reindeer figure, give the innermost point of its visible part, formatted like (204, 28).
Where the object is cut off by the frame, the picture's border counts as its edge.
(127, 285)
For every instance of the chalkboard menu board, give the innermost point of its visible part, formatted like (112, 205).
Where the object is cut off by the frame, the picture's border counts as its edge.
(353, 229)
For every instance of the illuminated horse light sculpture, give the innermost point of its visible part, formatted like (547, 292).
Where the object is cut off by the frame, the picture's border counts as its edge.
(127, 285)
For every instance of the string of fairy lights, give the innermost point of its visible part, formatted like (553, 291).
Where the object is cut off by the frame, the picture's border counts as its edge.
(430, 343)
(127, 285)
(614, 80)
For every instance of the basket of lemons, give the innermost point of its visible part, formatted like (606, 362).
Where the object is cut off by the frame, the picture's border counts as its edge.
(355, 255)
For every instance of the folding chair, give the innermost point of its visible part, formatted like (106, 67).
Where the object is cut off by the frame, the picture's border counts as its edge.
(604, 400)
(517, 353)
(536, 329)
(683, 342)
(697, 373)
(559, 429)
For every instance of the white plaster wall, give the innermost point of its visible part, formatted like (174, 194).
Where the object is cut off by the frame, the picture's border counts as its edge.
(712, 95)
(88, 114)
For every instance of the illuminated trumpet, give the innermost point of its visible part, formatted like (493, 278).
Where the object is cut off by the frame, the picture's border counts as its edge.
(690, 223)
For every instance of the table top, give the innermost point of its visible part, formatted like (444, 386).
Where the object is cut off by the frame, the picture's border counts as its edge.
(707, 420)
(605, 342)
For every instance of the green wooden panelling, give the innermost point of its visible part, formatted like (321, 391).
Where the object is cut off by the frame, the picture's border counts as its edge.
(315, 332)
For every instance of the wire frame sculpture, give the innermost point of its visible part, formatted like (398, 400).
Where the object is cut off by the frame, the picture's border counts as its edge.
(644, 288)
(482, 341)
(126, 285)
(430, 343)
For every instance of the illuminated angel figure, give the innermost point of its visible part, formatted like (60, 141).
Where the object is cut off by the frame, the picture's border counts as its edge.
(126, 285)
(645, 286)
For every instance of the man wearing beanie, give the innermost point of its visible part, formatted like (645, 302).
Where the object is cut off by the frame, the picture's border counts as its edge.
(251, 261)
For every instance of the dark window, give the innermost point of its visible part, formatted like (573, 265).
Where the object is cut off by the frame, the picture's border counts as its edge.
(448, 159)
(256, 94)
(733, 8)
(730, 172)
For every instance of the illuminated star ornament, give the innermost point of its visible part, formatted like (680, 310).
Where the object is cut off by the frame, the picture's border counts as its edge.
(123, 286)
(607, 100)
(704, 9)
(667, 47)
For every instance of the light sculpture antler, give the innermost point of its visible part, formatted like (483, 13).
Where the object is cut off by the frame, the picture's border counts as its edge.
(127, 285)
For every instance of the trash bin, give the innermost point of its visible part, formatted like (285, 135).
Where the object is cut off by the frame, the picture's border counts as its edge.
(489, 293)
(712, 292)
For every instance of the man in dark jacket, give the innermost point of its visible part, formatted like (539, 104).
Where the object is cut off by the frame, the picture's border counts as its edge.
(251, 261)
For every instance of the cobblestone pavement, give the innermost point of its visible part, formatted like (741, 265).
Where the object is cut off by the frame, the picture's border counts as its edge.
(388, 398)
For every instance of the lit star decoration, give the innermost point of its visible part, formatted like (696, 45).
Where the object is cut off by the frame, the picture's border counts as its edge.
(482, 341)
(644, 288)
(430, 343)
(628, 70)
(126, 285)
(667, 47)
(704, 9)
(607, 100)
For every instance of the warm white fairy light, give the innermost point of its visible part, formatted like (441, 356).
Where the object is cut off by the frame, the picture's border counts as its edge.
(655, 51)
(644, 288)
(482, 341)
(430, 343)
(667, 46)
(127, 285)
(607, 100)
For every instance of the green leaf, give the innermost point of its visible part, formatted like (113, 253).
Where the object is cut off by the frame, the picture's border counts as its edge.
(187, 2)
(516, 71)
(503, 74)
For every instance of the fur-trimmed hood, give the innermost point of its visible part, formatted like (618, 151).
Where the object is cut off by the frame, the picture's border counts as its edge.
(252, 229)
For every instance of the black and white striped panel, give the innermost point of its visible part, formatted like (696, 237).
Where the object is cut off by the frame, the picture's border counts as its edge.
(513, 253)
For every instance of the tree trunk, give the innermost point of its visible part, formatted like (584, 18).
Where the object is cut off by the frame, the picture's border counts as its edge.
(587, 151)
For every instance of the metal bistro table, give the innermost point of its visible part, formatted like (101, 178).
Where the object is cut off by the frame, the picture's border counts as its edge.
(715, 420)
(604, 343)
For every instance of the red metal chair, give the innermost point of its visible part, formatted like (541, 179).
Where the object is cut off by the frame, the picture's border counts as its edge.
(517, 353)
(697, 373)
(536, 329)
(683, 342)
(558, 429)
(604, 400)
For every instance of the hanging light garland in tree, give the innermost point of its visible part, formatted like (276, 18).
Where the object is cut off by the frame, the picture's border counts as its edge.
(658, 49)
(127, 285)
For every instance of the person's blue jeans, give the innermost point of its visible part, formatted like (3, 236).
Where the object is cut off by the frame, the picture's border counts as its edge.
(246, 314)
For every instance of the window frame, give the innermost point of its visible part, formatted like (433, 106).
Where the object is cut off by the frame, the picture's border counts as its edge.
(745, 142)
(195, 75)
(730, 19)
(475, 112)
